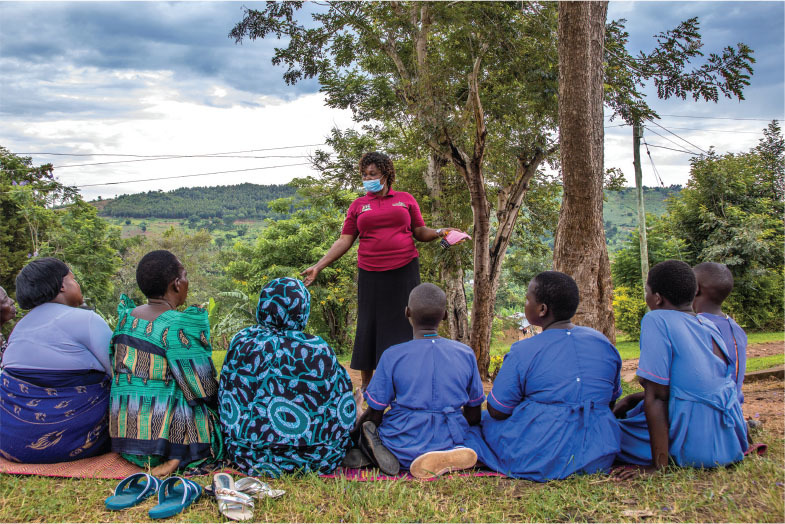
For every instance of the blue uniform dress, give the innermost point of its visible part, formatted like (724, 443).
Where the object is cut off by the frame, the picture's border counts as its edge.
(736, 342)
(426, 382)
(557, 388)
(705, 421)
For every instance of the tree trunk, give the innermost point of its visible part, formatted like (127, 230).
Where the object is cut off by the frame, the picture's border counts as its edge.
(450, 268)
(580, 249)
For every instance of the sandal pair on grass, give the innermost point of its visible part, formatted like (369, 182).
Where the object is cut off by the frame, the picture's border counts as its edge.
(235, 499)
(174, 494)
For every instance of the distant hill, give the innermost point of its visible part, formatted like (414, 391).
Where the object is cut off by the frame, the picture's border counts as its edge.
(620, 211)
(240, 202)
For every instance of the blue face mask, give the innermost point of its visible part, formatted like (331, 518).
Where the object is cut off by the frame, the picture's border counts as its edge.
(373, 186)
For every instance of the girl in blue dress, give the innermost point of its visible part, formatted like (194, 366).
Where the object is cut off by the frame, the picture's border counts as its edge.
(689, 411)
(549, 413)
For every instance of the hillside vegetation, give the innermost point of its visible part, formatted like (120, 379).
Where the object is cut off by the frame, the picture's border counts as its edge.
(620, 211)
(239, 202)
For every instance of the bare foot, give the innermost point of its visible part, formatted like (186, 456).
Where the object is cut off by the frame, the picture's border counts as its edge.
(165, 469)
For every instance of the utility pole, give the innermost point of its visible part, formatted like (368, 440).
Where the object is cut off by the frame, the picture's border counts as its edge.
(637, 133)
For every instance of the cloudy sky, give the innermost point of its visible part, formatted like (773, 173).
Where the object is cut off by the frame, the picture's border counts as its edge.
(155, 78)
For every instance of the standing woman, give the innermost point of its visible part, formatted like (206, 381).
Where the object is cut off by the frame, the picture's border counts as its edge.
(387, 223)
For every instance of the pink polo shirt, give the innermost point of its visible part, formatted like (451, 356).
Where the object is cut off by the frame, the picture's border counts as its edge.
(384, 225)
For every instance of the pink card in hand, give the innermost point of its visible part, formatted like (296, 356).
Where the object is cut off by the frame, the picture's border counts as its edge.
(453, 237)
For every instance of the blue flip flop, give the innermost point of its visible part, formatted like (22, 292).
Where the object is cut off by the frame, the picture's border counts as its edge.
(132, 490)
(174, 495)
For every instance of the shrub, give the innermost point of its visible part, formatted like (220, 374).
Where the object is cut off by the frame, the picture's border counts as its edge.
(629, 308)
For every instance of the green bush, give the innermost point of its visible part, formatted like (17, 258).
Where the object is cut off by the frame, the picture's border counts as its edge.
(629, 308)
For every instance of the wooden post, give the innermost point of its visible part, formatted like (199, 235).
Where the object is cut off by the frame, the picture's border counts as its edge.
(637, 133)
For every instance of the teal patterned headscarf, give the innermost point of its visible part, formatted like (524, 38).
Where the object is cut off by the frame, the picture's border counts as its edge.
(284, 305)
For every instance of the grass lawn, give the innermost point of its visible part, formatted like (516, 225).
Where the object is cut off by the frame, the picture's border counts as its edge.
(749, 492)
(756, 364)
(629, 349)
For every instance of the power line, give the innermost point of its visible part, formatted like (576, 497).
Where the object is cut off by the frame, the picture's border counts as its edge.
(180, 157)
(721, 118)
(663, 137)
(656, 173)
(679, 150)
(677, 136)
(156, 156)
(717, 130)
(187, 176)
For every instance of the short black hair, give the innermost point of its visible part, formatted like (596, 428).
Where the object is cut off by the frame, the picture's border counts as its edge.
(156, 271)
(40, 282)
(674, 280)
(427, 304)
(559, 292)
(716, 280)
(381, 161)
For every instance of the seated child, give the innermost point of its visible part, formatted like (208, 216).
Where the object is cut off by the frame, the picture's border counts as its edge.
(690, 411)
(549, 413)
(426, 382)
(715, 282)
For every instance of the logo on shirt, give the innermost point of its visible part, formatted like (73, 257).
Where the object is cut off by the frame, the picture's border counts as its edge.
(402, 204)
(366, 207)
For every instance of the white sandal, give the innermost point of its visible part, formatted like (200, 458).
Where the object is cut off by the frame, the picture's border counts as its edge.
(232, 503)
(254, 487)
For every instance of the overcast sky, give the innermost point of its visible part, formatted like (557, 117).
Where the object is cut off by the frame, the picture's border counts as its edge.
(155, 78)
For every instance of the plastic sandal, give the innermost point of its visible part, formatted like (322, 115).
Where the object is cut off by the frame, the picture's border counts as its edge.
(254, 487)
(174, 495)
(232, 504)
(132, 490)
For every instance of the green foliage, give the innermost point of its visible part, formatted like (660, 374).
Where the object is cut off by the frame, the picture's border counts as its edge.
(228, 203)
(89, 245)
(229, 315)
(668, 67)
(628, 310)
(620, 212)
(730, 213)
(27, 194)
(197, 253)
(663, 243)
(286, 246)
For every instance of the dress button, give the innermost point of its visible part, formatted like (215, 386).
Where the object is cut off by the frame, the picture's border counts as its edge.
(578, 379)
(569, 333)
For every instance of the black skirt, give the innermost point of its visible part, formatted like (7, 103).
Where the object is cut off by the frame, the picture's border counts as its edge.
(382, 297)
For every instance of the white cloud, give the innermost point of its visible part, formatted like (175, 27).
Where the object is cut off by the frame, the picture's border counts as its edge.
(168, 126)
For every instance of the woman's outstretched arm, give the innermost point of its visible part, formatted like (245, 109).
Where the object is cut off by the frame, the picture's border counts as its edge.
(336, 251)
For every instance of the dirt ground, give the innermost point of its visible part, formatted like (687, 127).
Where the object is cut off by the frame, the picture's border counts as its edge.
(763, 400)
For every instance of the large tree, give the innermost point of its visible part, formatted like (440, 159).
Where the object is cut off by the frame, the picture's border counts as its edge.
(476, 80)
(579, 248)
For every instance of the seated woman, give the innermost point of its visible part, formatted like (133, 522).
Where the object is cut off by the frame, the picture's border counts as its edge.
(54, 385)
(549, 413)
(163, 402)
(689, 411)
(286, 403)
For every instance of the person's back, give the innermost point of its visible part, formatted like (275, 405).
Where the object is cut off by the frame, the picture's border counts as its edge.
(425, 382)
(163, 399)
(715, 283)
(54, 392)
(691, 414)
(285, 402)
(434, 391)
(549, 410)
